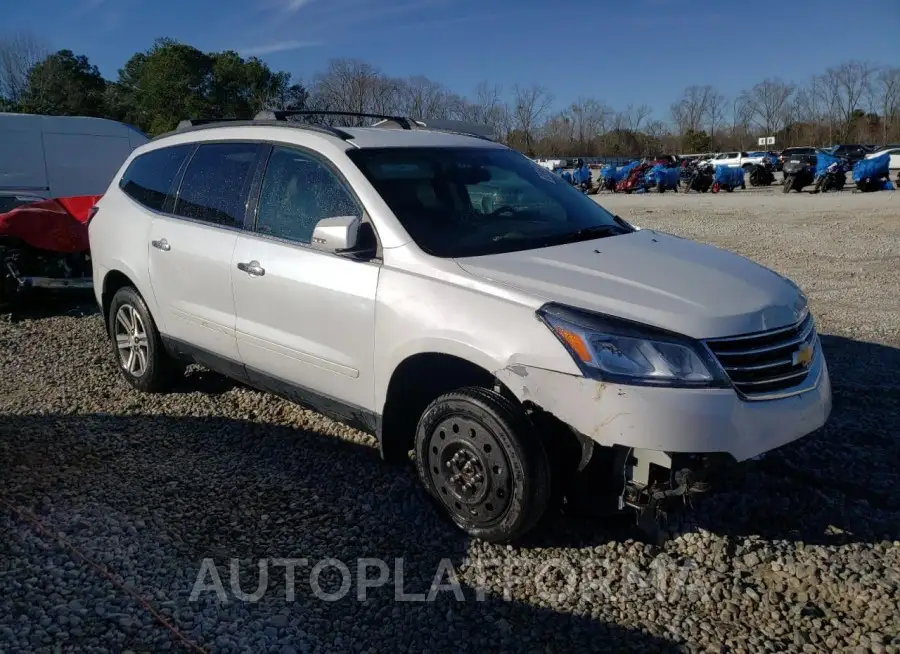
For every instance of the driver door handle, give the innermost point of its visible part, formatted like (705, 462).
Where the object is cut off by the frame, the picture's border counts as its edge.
(252, 268)
(162, 244)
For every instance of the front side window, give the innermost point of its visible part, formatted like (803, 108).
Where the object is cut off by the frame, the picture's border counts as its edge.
(216, 183)
(457, 202)
(297, 192)
(149, 177)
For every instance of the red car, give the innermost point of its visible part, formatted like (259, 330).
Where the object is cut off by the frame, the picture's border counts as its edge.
(53, 169)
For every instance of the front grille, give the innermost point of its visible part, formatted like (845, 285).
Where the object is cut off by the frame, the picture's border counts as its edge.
(766, 363)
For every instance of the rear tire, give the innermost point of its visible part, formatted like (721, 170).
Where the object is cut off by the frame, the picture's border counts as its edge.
(480, 457)
(136, 343)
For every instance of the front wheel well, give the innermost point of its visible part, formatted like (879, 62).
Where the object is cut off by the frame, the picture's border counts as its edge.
(417, 381)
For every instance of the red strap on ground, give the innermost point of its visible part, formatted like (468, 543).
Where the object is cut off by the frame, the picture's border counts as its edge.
(36, 524)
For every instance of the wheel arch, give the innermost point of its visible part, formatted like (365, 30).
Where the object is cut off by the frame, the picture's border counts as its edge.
(418, 379)
(117, 277)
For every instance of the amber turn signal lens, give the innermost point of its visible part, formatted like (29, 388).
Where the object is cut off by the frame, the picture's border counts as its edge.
(576, 343)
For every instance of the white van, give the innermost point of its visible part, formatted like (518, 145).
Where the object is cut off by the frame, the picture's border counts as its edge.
(60, 156)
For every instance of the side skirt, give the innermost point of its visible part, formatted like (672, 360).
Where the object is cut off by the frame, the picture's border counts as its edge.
(351, 415)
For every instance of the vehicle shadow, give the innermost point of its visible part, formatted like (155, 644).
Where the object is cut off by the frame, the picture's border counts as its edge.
(152, 497)
(37, 304)
(837, 485)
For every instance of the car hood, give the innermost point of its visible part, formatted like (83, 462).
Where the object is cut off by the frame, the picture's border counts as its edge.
(652, 278)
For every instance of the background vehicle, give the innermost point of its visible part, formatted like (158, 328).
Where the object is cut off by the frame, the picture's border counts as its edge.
(892, 152)
(698, 178)
(728, 178)
(831, 173)
(872, 174)
(803, 154)
(762, 174)
(797, 174)
(320, 262)
(62, 156)
(851, 153)
(736, 159)
(52, 170)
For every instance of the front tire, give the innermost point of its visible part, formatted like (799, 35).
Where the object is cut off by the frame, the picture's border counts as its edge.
(480, 457)
(137, 345)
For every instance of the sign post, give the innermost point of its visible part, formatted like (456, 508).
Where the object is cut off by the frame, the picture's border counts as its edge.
(761, 140)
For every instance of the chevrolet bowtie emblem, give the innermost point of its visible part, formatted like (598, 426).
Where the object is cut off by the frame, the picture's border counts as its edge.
(803, 356)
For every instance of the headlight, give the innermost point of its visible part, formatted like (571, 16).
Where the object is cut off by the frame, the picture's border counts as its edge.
(620, 351)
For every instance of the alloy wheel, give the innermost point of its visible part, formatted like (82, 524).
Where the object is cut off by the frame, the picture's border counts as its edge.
(132, 343)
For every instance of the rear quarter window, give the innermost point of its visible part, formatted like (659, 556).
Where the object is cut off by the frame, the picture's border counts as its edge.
(149, 177)
(216, 183)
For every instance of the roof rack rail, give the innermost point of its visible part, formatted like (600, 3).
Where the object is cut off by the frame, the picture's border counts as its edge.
(400, 121)
(197, 122)
(205, 123)
(475, 130)
(269, 116)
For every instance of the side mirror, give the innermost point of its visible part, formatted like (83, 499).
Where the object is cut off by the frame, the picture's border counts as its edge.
(337, 234)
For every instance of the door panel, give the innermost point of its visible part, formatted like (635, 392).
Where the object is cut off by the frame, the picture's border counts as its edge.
(304, 319)
(191, 250)
(192, 283)
(308, 320)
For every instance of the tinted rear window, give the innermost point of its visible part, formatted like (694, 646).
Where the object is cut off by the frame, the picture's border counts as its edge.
(149, 177)
(216, 183)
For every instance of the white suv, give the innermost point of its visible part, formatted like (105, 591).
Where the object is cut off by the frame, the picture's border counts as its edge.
(450, 296)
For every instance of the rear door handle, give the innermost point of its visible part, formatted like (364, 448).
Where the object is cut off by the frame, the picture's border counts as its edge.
(162, 244)
(252, 268)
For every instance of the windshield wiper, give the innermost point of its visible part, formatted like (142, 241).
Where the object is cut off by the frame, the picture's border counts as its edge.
(583, 234)
(595, 231)
(623, 223)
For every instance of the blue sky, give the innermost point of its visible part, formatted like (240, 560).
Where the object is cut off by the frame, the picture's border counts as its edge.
(620, 51)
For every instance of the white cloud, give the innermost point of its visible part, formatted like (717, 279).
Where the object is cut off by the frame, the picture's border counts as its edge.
(293, 5)
(278, 46)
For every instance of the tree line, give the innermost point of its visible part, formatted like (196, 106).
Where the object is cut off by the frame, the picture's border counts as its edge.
(855, 102)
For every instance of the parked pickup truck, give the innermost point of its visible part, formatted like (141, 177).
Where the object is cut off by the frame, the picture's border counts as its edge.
(735, 159)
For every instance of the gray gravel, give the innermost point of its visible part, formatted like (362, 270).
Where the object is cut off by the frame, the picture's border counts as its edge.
(800, 554)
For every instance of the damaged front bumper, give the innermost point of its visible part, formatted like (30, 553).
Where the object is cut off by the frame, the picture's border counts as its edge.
(672, 429)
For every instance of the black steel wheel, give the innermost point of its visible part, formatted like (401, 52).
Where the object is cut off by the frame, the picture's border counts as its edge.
(479, 455)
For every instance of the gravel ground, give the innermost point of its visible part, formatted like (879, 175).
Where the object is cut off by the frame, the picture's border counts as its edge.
(800, 554)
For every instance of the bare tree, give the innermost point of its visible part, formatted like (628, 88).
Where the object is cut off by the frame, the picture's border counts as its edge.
(589, 119)
(741, 117)
(715, 114)
(558, 136)
(766, 103)
(635, 116)
(353, 85)
(19, 52)
(886, 100)
(420, 97)
(806, 116)
(688, 113)
(530, 104)
(846, 86)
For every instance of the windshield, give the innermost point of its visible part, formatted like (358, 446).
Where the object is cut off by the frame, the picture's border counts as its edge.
(458, 202)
